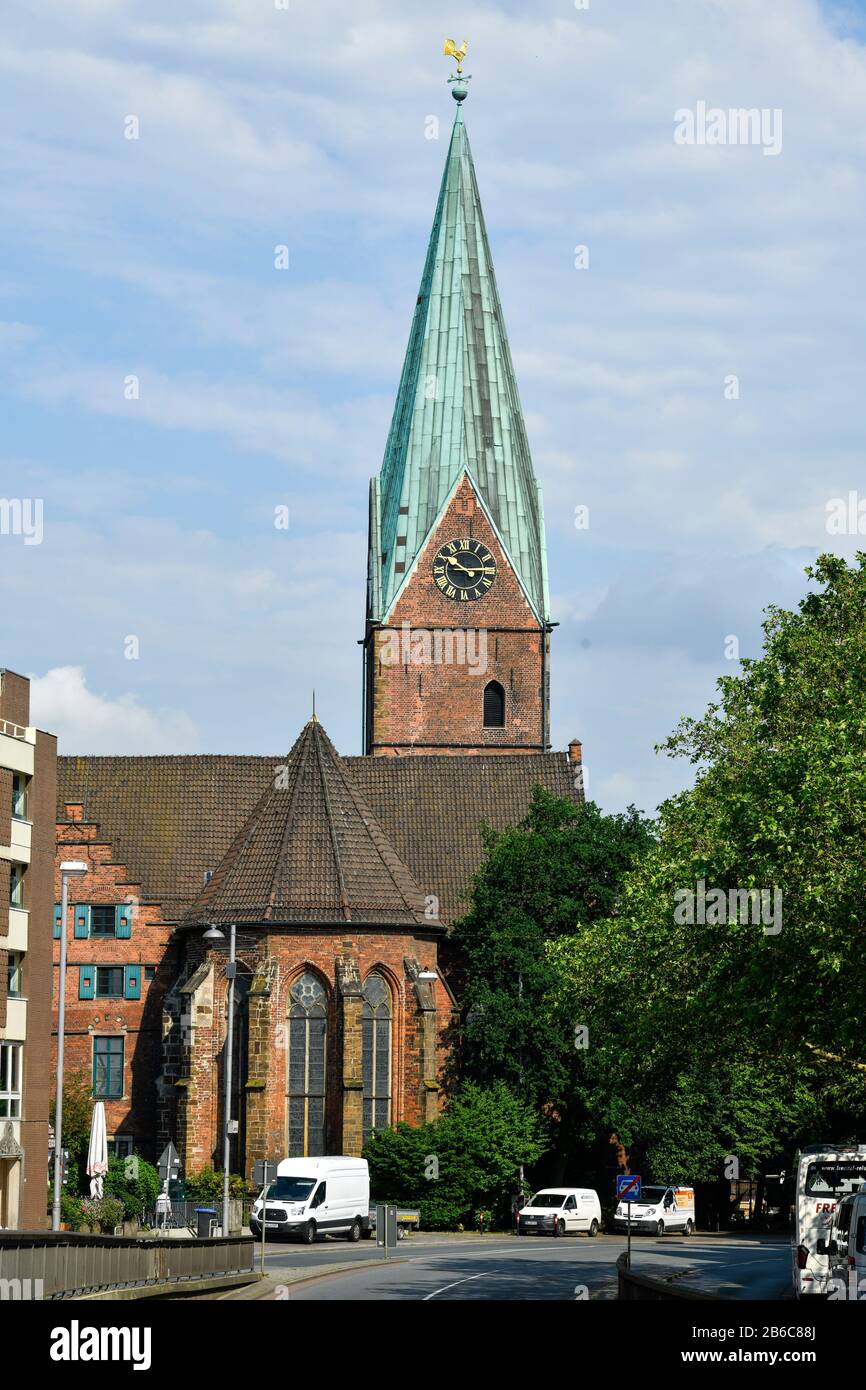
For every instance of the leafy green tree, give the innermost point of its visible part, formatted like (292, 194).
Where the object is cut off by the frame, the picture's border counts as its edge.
(731, 1034)
(134, 1182)
(77, 1116)
(468, 1158)
(563, 865)
(207, 1185)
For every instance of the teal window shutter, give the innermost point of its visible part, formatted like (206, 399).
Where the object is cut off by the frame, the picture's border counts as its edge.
(81, 912)
(86, 981)
(56, 921)
(123, 919)
(132, 982)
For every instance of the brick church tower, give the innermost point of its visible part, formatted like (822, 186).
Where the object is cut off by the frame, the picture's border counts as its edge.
(456, 651)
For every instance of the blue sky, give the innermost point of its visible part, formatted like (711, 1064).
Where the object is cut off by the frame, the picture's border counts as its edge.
(308, 127)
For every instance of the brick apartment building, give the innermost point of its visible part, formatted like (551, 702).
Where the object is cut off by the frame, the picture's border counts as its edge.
(28, 760)
(342, 874)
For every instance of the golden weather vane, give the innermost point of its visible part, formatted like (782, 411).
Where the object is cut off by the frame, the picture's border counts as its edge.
(452, 51)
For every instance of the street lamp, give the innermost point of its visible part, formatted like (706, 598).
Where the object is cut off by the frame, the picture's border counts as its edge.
(213, 933)
(70, 868)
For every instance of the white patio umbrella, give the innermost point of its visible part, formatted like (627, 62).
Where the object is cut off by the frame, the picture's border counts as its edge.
(97, 1154)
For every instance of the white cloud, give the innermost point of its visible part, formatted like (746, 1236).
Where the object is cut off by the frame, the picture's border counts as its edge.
(89, 723)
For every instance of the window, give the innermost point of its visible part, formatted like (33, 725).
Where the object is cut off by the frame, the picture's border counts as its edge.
(376, 1054)
(14, 974)
(102, 920)
(121, 1145)
(494, 706)
(16, 886)
(107, 1068)
(10, 1081)
(19, 795)
(109, 982)
(307, 1040)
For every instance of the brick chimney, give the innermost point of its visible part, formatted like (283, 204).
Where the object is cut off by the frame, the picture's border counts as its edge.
(575, 752)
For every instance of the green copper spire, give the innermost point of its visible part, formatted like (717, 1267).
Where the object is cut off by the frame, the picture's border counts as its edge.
(457, 407)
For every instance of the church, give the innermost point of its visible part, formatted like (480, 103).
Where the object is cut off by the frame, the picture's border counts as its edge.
(342, 874)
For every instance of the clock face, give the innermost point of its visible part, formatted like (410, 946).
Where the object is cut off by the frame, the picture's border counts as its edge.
(464, 569)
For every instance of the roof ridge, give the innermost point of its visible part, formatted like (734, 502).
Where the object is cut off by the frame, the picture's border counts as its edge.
(290, 818)
(341, 878)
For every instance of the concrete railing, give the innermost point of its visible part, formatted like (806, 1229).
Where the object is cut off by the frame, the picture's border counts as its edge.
(661, 1286)
(66, 1265)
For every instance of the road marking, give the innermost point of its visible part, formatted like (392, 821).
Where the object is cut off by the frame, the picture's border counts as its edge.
(446, 1287)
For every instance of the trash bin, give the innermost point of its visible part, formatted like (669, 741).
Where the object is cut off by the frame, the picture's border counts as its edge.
(204, 1216)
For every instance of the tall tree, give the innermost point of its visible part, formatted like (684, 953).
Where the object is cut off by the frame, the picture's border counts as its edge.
(761, 1018)
(562, 866)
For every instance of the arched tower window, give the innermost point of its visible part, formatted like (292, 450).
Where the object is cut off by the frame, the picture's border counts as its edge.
(494, 706)
(376, 1054)
(308, 1023)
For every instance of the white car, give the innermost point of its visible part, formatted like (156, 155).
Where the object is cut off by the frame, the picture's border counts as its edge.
(659, 1211)
(558, 1211)
(315, 1196)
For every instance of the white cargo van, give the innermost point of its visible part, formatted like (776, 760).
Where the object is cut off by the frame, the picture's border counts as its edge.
(825, 1174)
(659, 1211)
(557, 1211)
(312, 1196)
(846, 1249)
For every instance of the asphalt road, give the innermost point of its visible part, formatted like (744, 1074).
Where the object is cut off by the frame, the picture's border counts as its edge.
(535, 1268)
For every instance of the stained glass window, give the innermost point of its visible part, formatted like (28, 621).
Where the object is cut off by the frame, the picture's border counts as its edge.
(307, 1048)
(376, 1053)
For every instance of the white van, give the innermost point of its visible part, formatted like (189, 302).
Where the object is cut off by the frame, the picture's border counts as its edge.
(556, 1211)
(825, 1174)
(313, 1195)
(659, 1211)
(846, 1249)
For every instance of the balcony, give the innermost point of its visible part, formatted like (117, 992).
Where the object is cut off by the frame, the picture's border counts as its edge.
(16, 1021)
(20, 838)
(16, 937)
(16, 747)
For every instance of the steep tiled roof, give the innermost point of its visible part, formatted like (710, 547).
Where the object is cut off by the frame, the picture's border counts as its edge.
(457, 406)
(171, 819)
(312, 851)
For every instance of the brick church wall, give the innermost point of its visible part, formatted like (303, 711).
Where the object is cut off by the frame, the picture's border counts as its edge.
(438, 708)
(276, 961)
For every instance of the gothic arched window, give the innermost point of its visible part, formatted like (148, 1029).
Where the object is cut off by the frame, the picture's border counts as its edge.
(376, 1054)
(306, 1091)
(494, 706)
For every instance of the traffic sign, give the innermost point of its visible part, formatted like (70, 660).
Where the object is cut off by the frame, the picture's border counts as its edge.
(628, 1187)
(169, 1164)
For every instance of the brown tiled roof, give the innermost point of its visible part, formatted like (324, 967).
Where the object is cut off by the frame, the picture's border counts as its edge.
(312, 851)
(169, 819)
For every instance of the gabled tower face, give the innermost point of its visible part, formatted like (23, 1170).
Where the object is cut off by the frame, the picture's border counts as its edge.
(457, 642)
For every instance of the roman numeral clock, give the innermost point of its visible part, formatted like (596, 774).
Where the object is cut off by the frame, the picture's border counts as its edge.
(464, 570)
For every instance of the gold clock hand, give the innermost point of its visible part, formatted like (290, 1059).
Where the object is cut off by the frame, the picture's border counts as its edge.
(479, 569)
